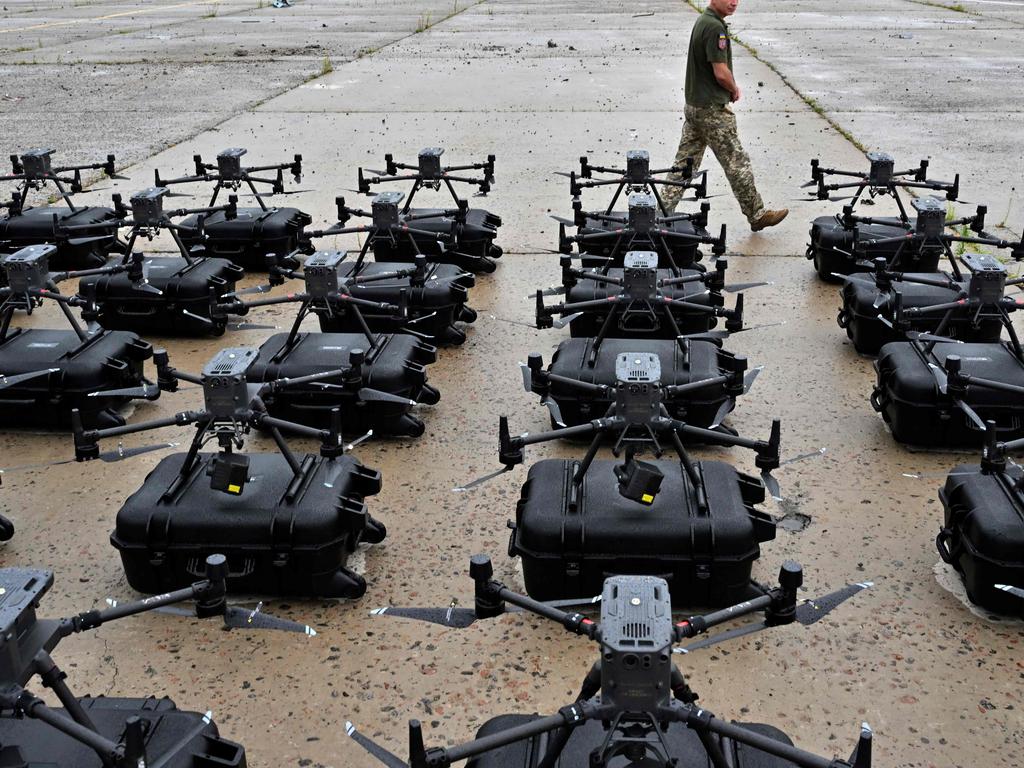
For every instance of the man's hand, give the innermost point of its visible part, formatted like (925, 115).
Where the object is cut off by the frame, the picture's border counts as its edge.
(736, 94)
(725, 79)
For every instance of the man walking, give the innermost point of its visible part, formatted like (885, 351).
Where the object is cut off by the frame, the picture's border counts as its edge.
(710, 121)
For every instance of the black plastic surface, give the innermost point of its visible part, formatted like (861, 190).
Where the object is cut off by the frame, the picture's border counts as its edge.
(250, 236)
(706, 558)
(28, 743)
(35, 225)
(684, 253)
(473, 249)
(683, 745)
(983, 534)
(831, 249)
(182, 308)
(275, 545)
(107, 360)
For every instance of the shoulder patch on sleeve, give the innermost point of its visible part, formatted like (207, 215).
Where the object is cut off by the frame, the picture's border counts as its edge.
(723, 41)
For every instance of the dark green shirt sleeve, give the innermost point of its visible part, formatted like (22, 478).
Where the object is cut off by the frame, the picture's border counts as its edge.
(716, 45)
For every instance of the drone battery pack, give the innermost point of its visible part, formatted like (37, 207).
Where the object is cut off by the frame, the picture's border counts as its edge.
(831, 248)
(434, 308)
(172, 738)
(701, 360)
(640, 319)
(282, 535)
(908, 397)
(681, 743)
(75, 250)
(983, 534)
(705, 556)
(609, 242)
(248, 238)
(863, 302)
(105, 360)
(397, 365)
(473, 250)
(182, 308)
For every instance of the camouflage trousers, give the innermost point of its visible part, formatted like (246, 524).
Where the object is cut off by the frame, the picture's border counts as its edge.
(715, 127)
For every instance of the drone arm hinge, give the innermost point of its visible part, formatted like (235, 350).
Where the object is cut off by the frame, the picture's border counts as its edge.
(30, 705)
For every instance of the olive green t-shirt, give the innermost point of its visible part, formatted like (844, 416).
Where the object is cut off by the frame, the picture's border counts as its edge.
(709, 42)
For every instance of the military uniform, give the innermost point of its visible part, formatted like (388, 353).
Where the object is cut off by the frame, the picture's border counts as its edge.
(710, 121)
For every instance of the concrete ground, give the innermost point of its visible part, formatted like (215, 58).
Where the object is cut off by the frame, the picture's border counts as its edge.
(939, 684)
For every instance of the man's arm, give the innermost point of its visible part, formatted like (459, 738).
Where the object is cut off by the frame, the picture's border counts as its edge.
(725, 79)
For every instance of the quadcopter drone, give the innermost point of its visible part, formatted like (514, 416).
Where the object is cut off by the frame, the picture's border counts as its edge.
(983, 530)
(23, 226)
(637, 176)
(248, 237)
(267, 489)
(472, 243)
(88, 729)
(881, 180)
(927, 233)
(584, 374)
(634, 694)
(425, 300)
(975, 309)
(604, 238)
(640, 300)
(397, 362)
(46, 373)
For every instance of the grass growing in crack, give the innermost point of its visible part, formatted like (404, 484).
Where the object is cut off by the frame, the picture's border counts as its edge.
(326, 67)
(426, 21)
(955, 7)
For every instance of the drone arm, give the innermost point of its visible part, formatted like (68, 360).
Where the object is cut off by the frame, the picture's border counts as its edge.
(86, 441)
(582, 386)
(697, 625)
(1000, 386)
(88, 620)
(567, 717)
(945, 307)
(580, 430)
(675, 390)
(21, 700)
(701, 720)
(382, 306)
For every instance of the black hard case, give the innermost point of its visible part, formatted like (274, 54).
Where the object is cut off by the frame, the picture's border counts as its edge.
(474, 250)
(641, 320)
(685, 253)
(907, 394)
(398, 366)
(35, 225)
(28, 743)
(702, 361)
(831, 244)
(184, 288)
(279, 540)
(983, 534)
(250, 236)
(706, 559)
(859, 315)
(440, 301)
(106, 360)
(683, 745)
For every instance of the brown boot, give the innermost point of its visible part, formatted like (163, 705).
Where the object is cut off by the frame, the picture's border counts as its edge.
(768, 219)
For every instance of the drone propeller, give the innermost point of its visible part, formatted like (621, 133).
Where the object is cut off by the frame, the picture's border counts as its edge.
(263, 288)
(461, 618)
(730, 402)
(527, 377)
(563, 220)
(375, 395)
(811, 183)
(389, 759)
(927, 337)
(940, 377)
(119, 454)
(421, 318)
(147, 391)
(737, 287)
(561, 322)
(77, 241)
(771, 484)
(375, 172)
(251, 327)
(236, 617)
(556, 412)
(808, 613)
(280, 192)
(1015, 591)
(481, 480)
(13, 381)
(554, 290)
